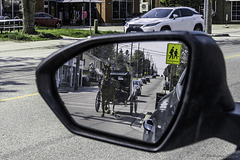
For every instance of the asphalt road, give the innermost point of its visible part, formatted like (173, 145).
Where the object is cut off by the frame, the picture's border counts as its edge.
(230, 48)
(30, 130)
(81, 106)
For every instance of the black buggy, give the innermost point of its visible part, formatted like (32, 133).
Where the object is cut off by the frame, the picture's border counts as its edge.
(125, 94)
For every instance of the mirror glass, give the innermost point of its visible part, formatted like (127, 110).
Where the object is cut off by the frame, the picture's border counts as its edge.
(128, 89)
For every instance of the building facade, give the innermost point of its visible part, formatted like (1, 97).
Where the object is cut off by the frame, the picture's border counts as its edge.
(76, 12)
(11, 8)
(226, 11)
(115, 11)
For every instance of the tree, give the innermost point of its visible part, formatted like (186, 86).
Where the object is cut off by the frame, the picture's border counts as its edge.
(173, 3)
(104, 52)
(138, 60)
(28, 9)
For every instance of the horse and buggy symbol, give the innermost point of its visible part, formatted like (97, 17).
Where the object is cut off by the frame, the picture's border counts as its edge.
(116, 88)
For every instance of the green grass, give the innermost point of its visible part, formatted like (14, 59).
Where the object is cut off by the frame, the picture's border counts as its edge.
(49, 34)
(77, 33)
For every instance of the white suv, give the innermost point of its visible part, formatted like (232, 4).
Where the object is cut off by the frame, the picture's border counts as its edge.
(167, 18)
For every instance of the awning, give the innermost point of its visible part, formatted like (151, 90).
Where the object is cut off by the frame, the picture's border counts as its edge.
(79, 1)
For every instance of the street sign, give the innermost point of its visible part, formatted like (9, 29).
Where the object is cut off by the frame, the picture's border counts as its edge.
(173, 53)
(81, 64)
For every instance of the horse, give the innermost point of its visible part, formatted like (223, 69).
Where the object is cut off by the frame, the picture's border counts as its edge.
(108, 88)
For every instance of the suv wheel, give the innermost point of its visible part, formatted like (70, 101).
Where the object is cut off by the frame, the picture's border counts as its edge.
(165, 28)
(198, 27)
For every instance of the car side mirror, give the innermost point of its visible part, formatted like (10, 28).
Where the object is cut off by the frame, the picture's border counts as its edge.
(199, 106)
(175, 16)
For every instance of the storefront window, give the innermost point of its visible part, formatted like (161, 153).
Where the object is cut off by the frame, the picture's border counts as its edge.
(122, 8)
(7, 8)
(236, 11)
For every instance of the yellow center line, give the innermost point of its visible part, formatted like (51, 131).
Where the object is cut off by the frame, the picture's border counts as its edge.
(232, 56)
(29, 95)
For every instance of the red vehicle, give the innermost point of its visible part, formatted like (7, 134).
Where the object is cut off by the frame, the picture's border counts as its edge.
(44, 19)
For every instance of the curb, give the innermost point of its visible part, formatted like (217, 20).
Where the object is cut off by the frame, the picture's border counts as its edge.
(220, 35)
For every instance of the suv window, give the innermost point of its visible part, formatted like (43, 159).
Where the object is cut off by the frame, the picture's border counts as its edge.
(157, 13)
(177, 11)
(186, 12)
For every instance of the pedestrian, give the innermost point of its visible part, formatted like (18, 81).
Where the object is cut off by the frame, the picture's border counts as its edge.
(171, 53)
(176, 54)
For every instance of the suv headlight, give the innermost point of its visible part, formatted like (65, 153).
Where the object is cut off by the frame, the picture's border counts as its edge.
(151, 24)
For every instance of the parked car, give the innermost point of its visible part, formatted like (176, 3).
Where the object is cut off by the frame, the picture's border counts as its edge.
(167, 18)
(166, 86)
(156, 125)
(144, 80)
(148, 79)
(154, 75)
(137, 86)
(140, 81)
(45, 19)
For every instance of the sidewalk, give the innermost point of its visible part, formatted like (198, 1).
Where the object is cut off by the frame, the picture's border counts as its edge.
(218, 32)
(232, 30)
(217, 29)
(12, 46)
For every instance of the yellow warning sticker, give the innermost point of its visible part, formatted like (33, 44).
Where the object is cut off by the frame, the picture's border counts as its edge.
(173, 53)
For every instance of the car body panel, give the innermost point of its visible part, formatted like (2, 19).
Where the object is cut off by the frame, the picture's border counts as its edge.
(185, 21)
(165, 109)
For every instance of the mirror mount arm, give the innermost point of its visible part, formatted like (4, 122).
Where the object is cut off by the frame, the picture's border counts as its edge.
(217, 123)
(234, 119)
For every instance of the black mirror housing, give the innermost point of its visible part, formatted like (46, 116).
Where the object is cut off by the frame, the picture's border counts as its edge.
(205, 101)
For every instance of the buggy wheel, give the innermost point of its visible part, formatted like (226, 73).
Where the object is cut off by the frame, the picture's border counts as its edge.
(131, 108)
(98, 101)
(135, 104)
(131, 105)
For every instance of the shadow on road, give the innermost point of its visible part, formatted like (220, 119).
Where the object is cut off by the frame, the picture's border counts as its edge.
(118, 118)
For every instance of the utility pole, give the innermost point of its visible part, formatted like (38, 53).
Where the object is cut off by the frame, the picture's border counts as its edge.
(142, 63)
(208, 16)
(131, 53)
(77, 75)
(137, 58)
(116, 56)
(130, 68)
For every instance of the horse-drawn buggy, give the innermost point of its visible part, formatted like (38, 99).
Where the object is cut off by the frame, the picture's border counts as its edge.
(116, 88)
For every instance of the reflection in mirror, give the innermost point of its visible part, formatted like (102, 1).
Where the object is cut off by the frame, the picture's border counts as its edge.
(128, 89)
